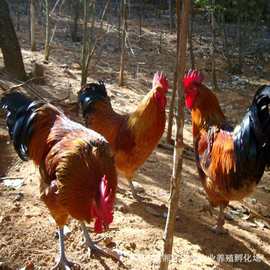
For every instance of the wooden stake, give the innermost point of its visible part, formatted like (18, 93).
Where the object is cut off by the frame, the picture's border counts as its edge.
(179, 145)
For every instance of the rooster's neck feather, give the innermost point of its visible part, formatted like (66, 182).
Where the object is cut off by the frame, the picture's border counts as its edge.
(206, 112)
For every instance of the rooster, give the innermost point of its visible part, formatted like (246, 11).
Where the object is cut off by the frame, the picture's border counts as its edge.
(77, 172)
(132, 136)
(230, 161)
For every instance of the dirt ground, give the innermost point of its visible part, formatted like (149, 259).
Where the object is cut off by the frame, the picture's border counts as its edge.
(28, 233)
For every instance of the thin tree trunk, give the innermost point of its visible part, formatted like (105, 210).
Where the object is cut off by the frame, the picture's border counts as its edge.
(226, 44)
(240, 44)
(190, 37)
(119, 22)
(90, 43)
(104, 13)
(123, 42)
(18, 19)
(9, 44)
(172, 103)
(213, 47)
(179, 145)
(33, 25)
(170, 3)
(85, 42)
(76, 13)
(47, 32)
(140, 19)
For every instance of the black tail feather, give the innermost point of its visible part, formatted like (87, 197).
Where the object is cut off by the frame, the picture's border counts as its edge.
(252, 139)
(20, 112)
(260, 105)
(89, 94)
(12, 103)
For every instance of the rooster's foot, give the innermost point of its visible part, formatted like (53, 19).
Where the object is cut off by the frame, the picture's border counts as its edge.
(135, 195)
(64, 264)
(97, 250)
(94, 249)
(207, 209)
(219, 230)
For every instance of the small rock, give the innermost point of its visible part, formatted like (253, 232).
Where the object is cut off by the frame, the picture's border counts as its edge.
(229, 216)
(13, 183)
(253, 201)
(75, 66)
(18, 197)
(122, 208)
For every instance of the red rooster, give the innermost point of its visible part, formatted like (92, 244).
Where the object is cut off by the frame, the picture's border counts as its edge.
(133, 136)
(230, 161)
(77, 172)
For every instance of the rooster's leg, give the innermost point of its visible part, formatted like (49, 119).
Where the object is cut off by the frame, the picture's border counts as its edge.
(218, 228)
(94, 248)
(63, 262)
(207, 209)
(134, 192)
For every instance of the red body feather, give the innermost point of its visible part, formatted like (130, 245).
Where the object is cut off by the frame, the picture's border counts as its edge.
(78, 175)
(214, 145)
(133, 136)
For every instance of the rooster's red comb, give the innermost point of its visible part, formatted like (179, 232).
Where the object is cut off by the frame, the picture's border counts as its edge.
(191, 77)
(160, 78)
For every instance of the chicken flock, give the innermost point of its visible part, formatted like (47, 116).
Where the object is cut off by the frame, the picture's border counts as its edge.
(79, 166)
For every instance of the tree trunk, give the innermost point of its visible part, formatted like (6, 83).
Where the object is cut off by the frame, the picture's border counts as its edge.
(119, 21)
(179, 145)
(123, 42)
(226, 44)
(172, 103)
(213, 47)
(190, 35)
(76, 13)
(240, 44)
(90, 42)
(93, 21)
(141, 6)
(9, 44)
(33, 25)
(47, 32)
(18, 19)
(85, 42)
(106, 7)
(170, 3)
